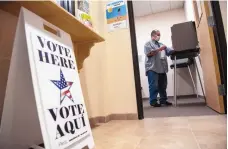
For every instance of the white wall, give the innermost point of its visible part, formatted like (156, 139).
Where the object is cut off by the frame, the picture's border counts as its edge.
(189, 13)
(163, 22)
(189, 10)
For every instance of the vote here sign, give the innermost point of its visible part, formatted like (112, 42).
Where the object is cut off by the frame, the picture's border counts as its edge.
(59, 98)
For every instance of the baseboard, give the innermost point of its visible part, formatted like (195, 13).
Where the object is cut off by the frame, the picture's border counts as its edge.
(182, 96)
(185, 96)
(94, 121)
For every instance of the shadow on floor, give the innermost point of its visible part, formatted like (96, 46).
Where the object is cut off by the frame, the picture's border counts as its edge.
(186, 107)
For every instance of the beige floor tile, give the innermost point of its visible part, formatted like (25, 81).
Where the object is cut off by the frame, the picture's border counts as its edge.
(169, 138)
(208, 140)
(174, 122)
(219, 119)
(211, 124)
(208, 132)
(120, 142)
(122, 145)
(168, 142)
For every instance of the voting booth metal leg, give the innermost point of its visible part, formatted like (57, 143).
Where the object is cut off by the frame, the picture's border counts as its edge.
(201, 84)
(175, 81)
(194, 85)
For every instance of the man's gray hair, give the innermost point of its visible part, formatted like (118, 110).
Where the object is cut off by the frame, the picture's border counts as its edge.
(154, 32)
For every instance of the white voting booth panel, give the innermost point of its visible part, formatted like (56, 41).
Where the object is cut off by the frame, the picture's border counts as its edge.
(43, 101)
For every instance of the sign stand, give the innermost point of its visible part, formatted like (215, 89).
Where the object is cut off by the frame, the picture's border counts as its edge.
(43, 101)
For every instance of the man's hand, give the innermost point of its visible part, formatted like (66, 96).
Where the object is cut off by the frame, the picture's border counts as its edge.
(152, 53)
(162, 48)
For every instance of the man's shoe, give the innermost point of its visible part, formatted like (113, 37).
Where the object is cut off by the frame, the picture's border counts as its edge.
(155, 105)
(168, 103)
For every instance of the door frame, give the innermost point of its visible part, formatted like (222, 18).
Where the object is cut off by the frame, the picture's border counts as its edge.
(221, 46)
(135, 60)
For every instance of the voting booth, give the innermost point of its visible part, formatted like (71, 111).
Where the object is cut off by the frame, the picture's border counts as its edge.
(184, 36)
(186, 50)
(43, 100)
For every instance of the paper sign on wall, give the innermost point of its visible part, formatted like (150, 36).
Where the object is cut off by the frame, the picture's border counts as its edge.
(50, 95)
(83, 13)
(116, 15)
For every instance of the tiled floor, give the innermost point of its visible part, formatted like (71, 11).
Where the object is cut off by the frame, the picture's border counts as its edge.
(202, 132)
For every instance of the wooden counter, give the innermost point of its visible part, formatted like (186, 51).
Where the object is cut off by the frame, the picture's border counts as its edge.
(82, 37)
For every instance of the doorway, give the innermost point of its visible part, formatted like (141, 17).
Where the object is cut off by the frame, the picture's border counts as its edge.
(139, 35)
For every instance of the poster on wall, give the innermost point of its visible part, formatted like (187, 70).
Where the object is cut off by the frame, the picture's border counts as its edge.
(47, 104)
(83, 13)
(84, 18)
(116, 15)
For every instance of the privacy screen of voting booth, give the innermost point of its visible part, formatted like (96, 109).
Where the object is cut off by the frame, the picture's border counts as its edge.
(186, 46)
(184, 36)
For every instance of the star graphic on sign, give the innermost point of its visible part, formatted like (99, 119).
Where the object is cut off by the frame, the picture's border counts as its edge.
(64, 87)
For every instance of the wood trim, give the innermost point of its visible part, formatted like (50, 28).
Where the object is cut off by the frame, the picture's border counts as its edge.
(179, 96)
(209, 61)
(221, 45)
(215, 58)
(135, 60)
(94, 121)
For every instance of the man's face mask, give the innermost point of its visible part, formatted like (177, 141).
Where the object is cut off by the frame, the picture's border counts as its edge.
(157, 38)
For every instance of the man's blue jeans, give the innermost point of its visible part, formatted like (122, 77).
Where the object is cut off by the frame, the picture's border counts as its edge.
(157, 84)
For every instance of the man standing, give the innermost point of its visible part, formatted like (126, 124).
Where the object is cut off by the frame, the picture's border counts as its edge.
(156, 67)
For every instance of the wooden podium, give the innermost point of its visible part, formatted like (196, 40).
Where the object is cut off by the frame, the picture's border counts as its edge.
(82, 39)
